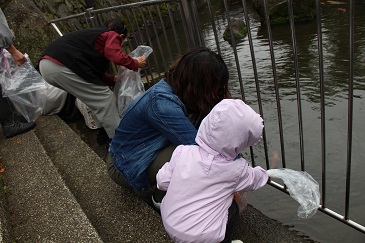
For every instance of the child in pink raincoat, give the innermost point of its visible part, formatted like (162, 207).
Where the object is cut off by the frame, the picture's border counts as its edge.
(201, 179)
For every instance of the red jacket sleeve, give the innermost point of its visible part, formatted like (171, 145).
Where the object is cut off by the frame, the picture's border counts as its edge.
(112, 50)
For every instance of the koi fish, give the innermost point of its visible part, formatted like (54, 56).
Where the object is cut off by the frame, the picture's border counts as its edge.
(343, 10)
(336, 2)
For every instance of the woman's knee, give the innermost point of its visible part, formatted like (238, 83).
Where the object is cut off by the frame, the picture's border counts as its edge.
(115, 175)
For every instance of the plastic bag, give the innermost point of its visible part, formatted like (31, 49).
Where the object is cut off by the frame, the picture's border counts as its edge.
(23, 85)
(302, 187)
(128, 84)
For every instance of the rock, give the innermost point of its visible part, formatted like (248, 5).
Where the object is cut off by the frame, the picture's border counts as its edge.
(238, 28)
(278, 10)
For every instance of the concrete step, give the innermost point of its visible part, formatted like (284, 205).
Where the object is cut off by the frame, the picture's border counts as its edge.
(39, 206)
(117, 214)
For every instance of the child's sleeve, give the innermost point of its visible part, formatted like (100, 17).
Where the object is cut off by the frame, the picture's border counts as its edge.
(164, 175)
(252, 179)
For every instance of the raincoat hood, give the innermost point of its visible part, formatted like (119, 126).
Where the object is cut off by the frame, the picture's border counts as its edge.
(229, 128)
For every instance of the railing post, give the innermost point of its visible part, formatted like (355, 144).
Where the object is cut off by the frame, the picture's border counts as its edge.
(90, 17)
(191, 23)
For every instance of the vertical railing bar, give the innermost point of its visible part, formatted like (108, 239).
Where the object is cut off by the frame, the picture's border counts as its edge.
(165, 35)
(350, 111)
(185, 24)
(86, 20)
(149, 39)
(197, 23)
(258, 92)
(164, 32)
(100, 19)
(144, 71)
(190, 20)
(276, 85)
(129, 27)
(234, 51)
(173, 28)
(300, 118)
(156, 35)
(323, 113)
(90, 17)
(141, 40)
(214, 27)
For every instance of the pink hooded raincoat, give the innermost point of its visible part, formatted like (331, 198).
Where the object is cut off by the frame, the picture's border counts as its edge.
(201, 179)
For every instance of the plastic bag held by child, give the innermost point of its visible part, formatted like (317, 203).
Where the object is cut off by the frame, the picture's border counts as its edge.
(23, 85)
(128, 84)
(302, 187)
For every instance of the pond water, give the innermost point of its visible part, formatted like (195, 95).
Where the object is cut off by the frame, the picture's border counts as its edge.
(335, 28)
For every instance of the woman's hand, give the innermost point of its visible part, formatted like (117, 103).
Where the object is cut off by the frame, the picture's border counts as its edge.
(141, 61)
(18, 57)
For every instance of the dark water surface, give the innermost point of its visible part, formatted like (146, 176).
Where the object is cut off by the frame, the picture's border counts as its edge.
(335, 27)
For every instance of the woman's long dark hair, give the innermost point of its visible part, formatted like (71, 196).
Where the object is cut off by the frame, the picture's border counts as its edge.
(200, 79)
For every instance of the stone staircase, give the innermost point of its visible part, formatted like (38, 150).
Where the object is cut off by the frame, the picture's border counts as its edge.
(55, 188)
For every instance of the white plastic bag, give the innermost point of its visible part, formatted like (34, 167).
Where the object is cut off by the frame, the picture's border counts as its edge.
(128, 84)
(23, 85)
(302, 187)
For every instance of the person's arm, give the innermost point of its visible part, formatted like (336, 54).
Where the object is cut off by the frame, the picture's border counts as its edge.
(114, 53)
(6, 40)
(18, 57)
(6, 36)
(252, 178)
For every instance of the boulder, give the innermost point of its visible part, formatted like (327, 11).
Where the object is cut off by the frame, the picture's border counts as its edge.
(239, 30)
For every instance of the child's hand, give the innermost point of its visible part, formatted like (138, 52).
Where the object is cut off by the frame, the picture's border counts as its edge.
(274, 158)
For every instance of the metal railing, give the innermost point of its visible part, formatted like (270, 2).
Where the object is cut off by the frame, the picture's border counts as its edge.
(170, 26)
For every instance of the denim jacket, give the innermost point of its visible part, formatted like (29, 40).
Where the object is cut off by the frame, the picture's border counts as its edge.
(151, 122)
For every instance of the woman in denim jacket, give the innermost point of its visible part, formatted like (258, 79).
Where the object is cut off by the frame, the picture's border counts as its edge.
(165, 116)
